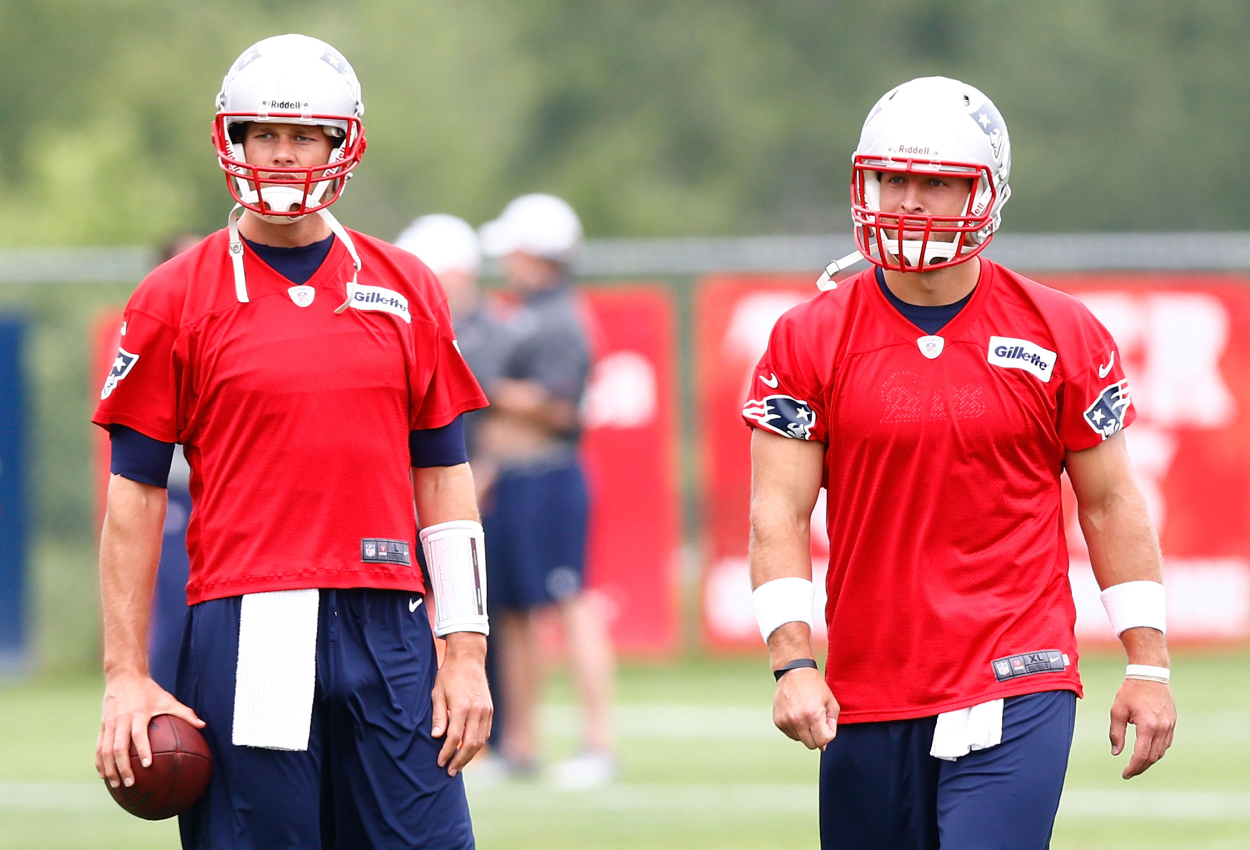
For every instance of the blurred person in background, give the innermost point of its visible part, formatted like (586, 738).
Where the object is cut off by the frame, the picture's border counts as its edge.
(537, 511)
(938, 397)
(312, 376)
(450, 247)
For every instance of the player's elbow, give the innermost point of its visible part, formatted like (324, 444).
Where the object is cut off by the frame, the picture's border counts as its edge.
(776, 520)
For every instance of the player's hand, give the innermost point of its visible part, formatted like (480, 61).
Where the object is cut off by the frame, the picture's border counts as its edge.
(462, 703)
(1149, 707)
(804, 708)
(130, 702)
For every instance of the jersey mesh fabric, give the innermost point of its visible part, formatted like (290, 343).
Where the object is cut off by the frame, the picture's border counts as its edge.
(947, 548)
(295, 419)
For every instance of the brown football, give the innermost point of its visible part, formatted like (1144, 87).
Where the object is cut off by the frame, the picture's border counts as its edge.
(178, 775)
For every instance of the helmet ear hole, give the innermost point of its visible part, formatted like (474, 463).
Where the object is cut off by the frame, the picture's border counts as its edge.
(336, 136)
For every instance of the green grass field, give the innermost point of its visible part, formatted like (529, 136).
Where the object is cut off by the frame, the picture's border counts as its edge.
(702, 768)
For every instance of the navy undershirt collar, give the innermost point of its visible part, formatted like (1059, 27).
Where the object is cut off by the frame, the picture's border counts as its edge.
(928, 318)
(295, 264)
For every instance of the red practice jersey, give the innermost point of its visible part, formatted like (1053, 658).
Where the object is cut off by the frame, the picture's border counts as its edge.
(295, 419)
(948, 567)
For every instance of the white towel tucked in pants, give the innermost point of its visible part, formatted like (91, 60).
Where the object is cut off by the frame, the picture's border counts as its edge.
(277, 669)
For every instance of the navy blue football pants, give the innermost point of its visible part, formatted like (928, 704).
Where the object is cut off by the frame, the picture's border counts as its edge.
(536, 537)
(369, 779)
(881, 790)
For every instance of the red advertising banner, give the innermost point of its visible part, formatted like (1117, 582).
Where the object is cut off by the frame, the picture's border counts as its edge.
(629, 449)
(1185, 340)
(630, 454)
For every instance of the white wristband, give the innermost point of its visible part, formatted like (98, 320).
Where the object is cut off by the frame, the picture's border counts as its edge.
(781, 601)
(1135, 604)
(456, 555)
(1148, 672)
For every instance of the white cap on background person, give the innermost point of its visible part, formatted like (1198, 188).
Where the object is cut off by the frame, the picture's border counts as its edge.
(444, 243)
(538, 224)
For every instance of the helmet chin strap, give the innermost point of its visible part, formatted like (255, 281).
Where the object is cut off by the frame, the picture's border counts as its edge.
(236, 254)
(826, 281)
(341, 233)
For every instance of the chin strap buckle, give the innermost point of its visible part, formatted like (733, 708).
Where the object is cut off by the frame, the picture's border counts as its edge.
(826, 281)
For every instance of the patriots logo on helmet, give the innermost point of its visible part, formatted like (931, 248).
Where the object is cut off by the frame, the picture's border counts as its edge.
(249, 56)
(334, 59)
(121, 368)
(987, 117)
(782, 414)
(1106, 414)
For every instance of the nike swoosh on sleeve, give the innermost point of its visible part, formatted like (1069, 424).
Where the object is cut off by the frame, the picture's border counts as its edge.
(770, 381)
(1103, 371)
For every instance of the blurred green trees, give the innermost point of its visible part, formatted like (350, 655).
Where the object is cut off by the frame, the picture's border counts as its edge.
(652, 118)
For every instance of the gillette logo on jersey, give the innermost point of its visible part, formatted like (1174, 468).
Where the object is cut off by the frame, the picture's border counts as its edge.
(1106, 414)
(782, 415)
(1021, 354)
(377, 298)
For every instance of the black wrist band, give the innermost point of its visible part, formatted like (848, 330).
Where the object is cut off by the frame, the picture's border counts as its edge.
(796, 664)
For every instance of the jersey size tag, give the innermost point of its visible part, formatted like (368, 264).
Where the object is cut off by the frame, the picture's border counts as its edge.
(1021, 354)
(380, 298)
(378, 551)
(1029, 663)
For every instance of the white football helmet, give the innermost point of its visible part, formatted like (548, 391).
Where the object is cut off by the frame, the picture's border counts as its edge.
(931, 125)
(444, 243)
(538, 224)
(289, 79)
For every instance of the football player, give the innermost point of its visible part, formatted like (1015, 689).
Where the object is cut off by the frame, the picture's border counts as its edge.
(312, 375)
(939, 397)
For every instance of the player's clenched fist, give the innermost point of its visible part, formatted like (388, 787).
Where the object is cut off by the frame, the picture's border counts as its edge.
(805, 709)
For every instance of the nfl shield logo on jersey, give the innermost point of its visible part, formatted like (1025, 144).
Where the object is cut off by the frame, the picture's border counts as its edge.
(1106, 414)
(121, 368)
(782, 415)
(931, 346)
(302, 295)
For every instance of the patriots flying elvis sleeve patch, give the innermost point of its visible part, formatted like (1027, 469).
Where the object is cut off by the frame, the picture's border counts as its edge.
(122, 365)
(1106, 414)
(782, 414)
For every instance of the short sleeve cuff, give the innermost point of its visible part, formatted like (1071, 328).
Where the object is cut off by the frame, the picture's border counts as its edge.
(439, 446)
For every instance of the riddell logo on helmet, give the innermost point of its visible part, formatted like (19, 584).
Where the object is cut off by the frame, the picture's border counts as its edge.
(915, 150)
(283, 104)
